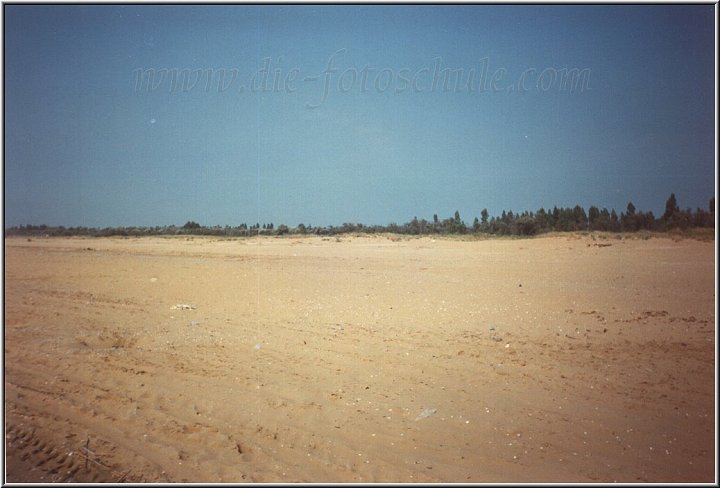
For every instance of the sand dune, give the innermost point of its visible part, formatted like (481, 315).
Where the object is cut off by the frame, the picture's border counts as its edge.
(313, 360)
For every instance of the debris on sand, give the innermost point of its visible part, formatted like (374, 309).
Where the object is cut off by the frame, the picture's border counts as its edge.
(494, 336)
(182, 306)
(426, 413)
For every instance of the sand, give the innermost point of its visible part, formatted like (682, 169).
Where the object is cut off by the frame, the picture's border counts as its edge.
(360, 359)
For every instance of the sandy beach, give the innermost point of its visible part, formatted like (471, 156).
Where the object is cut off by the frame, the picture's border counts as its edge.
(565, 358)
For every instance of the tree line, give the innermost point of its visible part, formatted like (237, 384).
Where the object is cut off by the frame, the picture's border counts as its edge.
(565, 219)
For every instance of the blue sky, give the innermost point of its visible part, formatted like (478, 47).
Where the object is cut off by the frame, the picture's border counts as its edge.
(354, 130)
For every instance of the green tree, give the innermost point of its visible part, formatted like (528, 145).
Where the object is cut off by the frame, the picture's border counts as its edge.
(414, 226)
(603, 221)
(541, 219)
(593, 216)
(555, 218)
(580, 217)
(629, 220)
(645, 220)
(701, 218)
(671, 208)
(565, 220)
(457, 223)
(524, 226)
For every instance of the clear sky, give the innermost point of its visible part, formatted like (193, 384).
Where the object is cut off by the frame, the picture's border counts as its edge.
(360, 126)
